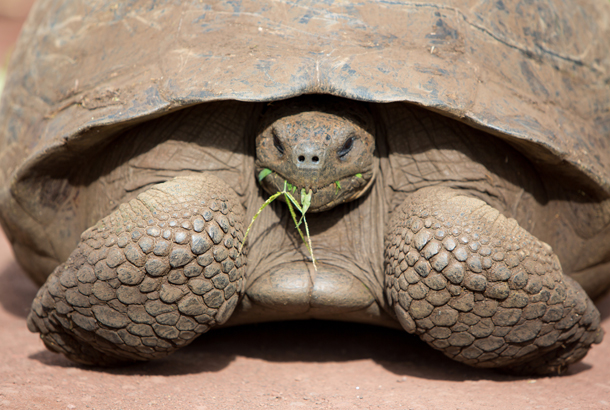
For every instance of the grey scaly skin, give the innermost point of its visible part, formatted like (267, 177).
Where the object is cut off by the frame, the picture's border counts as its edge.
(326, 148)
(149, 278)
(164, 268)
(475, 285)
(469, 281)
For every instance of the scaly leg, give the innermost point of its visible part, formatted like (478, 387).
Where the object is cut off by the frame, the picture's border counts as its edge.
(475, 285)
(148, 278)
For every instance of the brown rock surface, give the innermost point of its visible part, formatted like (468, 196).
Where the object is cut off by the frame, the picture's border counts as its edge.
(320, 365)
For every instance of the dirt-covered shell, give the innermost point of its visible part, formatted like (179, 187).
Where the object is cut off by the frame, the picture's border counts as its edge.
(534, 73)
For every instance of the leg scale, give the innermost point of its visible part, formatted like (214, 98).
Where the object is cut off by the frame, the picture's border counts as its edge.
(148, 278)
(475, 285)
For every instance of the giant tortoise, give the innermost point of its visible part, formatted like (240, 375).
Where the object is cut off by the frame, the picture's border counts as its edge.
(455, 154)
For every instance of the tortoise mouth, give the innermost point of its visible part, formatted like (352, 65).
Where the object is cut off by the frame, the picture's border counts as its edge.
(323, 197)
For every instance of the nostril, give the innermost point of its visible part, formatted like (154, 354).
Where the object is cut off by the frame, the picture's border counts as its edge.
(301, 158)
(315, 160)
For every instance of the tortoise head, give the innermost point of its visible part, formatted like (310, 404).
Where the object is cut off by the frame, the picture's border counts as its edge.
(320, 144)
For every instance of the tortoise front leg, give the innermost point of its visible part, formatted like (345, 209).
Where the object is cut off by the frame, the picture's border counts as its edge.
(475, 285)
(149, 278)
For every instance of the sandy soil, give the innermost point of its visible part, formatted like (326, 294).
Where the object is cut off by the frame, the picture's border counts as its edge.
(318, 365)
(12, 15)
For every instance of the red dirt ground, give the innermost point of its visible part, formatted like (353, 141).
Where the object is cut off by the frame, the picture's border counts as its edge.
(12, 15)
(309, 365)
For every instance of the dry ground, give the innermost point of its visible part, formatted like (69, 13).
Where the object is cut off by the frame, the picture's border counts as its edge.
(309, 365)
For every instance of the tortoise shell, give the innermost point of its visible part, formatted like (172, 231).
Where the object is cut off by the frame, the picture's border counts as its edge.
(533, 74)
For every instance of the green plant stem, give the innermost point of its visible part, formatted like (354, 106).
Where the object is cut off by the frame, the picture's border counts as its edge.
(267, 202)
(307, 242)
(290, 200)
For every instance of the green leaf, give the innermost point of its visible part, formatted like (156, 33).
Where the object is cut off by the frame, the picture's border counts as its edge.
(305, 199)
(358, 175)
(263, 206)
(338, 184)
(263, 174)
(294, 218)
(290, 201)
(305, 203)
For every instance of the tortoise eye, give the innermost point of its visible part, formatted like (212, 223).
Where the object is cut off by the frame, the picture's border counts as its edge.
(278, 144)
(346, 148)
